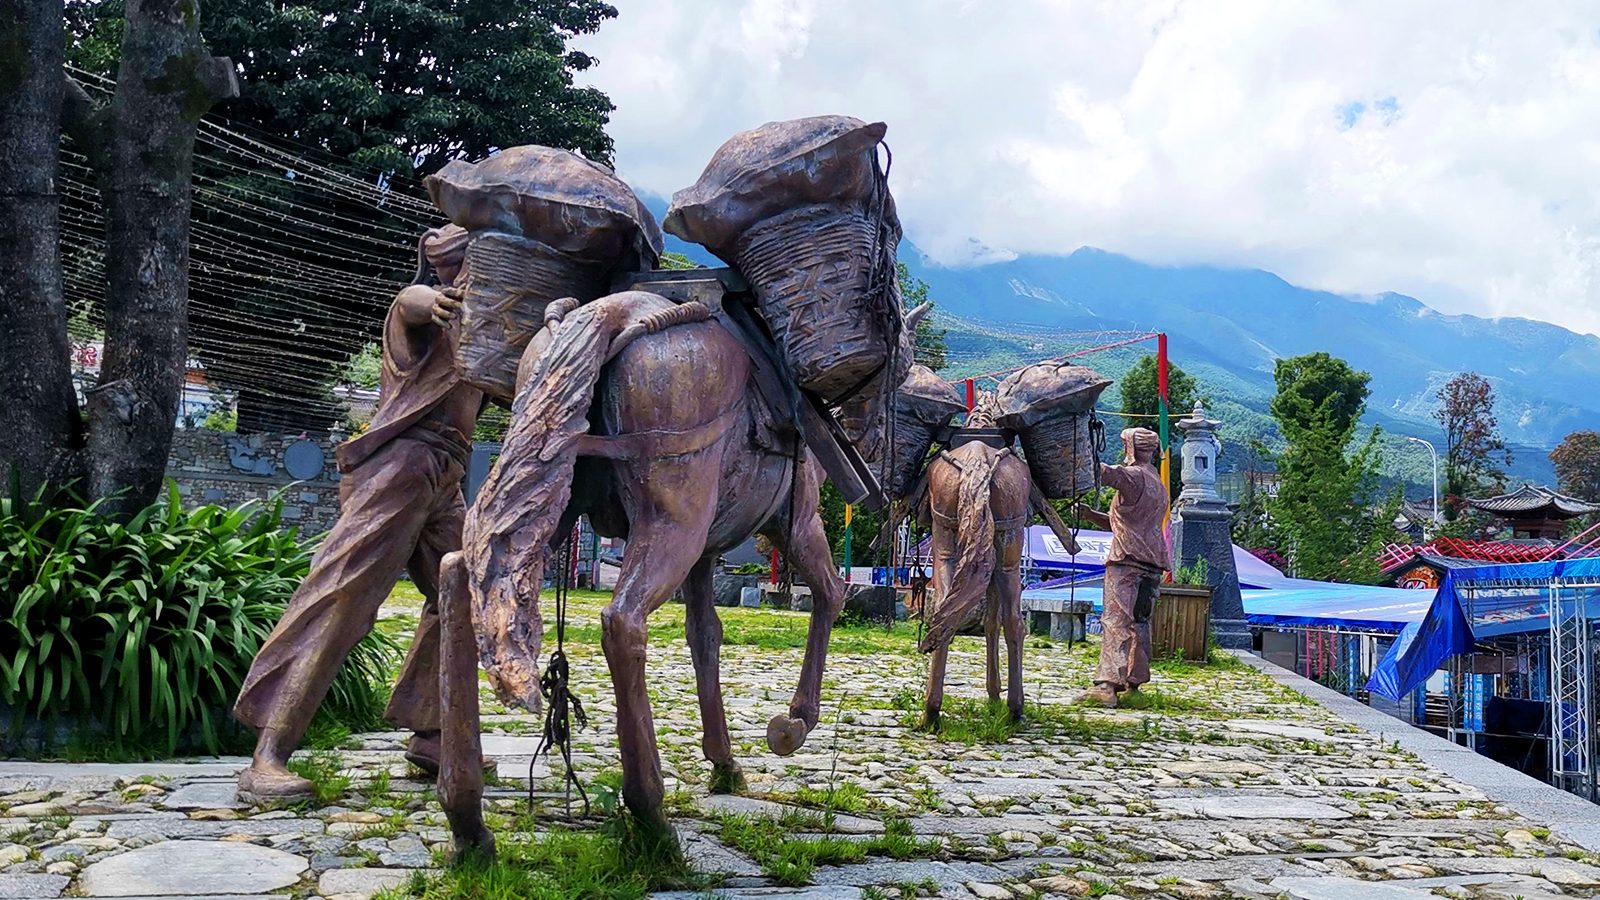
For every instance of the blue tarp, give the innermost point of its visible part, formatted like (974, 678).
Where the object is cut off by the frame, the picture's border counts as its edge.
(1300, 602)
(1445, 631)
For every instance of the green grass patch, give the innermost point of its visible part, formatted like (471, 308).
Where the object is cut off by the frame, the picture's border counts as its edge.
(791, 861)
(967, 721)
(613, 863)
(324, 769)
(1158, 701)
(848, 797)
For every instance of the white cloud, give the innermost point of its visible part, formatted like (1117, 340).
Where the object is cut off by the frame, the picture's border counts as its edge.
(1448, 150)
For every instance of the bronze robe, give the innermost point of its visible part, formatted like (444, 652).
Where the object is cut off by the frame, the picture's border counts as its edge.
(1134, 567)
(400, 507)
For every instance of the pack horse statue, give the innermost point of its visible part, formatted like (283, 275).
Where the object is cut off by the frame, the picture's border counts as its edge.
(978, 495)
(685, 412)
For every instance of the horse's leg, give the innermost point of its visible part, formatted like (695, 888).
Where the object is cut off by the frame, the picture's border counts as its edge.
(461, 753)
(991, 641)
(811, 556)
(935, 693)
(670, 513)
(705, 648)
(1008, 592)
(1005, 591)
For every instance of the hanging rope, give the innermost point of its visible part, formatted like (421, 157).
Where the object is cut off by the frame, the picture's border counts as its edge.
(561, 705)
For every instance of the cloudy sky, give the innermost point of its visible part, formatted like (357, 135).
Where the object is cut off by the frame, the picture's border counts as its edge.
(1447, 150)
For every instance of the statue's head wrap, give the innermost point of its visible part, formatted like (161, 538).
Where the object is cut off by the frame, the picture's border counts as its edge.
(441, 249)
(1140, 445)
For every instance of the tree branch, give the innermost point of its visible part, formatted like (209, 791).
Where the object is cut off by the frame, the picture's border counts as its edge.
(88, 123)
(220, 78)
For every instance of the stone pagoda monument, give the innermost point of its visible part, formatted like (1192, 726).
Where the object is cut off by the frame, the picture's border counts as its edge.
(1203, 527)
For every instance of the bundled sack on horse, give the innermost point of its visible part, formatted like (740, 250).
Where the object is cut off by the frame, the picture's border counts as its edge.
(803, 210)
(1048, 405)
(924, 404)
(545, 224)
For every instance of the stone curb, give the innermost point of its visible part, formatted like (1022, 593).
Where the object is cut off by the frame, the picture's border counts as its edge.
(1566, 814)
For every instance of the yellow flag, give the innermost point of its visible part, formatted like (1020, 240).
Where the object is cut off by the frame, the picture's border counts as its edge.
(849, 513)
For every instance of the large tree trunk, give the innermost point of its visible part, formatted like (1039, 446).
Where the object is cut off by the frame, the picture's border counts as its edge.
(165, 84)
(41, 433)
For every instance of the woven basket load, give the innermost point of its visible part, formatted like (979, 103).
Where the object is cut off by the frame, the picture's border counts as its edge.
(509, 281)
(1048, 405)
(924, 404)
(802, 210)
(545, 224)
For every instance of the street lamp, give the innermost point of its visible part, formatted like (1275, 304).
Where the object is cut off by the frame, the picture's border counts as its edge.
(1434, 455)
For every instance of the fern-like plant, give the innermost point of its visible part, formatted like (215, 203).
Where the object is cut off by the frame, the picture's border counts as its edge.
(143, 630)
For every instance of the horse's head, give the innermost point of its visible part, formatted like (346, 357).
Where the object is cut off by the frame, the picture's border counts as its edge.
(863, 415)
(802, 208)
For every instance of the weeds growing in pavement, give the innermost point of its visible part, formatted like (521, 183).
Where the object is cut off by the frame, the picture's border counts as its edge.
(791, 861)
(324, 769)
(617, 862)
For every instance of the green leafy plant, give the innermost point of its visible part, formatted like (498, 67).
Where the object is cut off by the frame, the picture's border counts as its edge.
(143, 629)
(1193, 574)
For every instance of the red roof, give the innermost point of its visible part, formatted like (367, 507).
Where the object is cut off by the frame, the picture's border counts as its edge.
(1483, 551)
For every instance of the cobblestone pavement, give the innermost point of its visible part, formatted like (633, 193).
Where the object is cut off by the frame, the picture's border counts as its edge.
(1226, 785)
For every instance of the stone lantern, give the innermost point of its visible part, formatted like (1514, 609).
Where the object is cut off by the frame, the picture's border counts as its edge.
(1202, 527)
(1199, 452)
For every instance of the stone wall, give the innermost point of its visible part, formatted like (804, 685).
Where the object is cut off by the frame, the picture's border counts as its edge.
(226, 469)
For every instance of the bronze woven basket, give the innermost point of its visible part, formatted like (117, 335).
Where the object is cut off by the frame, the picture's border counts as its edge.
(1060, 453)
(811, 269)
(509, 280)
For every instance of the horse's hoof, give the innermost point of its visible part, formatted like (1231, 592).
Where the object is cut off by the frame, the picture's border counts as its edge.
(726, 778)
(786, 735)
(476, 848)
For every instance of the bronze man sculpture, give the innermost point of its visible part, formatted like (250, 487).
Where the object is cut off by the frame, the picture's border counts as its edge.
(1134, 567)
(400, 507)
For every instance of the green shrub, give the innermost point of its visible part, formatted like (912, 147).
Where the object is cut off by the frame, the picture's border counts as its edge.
(143, 630)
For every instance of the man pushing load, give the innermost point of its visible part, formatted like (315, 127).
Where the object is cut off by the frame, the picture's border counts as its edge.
(1134, 566)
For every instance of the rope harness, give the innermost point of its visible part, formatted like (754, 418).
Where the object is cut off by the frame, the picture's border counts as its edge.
(561, 705)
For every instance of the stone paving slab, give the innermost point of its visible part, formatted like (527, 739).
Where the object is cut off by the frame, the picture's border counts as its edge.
(204, 795)
(30, 887)
(192, 867)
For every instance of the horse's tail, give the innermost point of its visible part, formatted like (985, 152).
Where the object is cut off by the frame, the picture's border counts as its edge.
(509, 528)
(974, 553)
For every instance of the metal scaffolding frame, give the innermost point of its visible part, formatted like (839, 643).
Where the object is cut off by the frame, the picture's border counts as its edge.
(1571, 661)
(1571, 689)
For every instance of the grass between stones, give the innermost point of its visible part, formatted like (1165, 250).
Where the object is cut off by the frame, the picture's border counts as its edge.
(969, 721)
(791, 861)
(325, 770)
(614, 863)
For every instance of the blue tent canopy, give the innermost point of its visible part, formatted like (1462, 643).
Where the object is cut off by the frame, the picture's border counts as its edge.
(1446, 630)
(1300, 602)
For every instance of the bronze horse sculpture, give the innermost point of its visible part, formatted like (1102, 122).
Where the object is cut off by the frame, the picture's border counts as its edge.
(978, 498)
(648, 415)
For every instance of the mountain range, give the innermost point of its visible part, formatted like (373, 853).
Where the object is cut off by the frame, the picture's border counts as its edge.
(1227, 327)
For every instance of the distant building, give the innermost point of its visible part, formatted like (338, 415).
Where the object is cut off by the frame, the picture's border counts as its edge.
(1534, 511)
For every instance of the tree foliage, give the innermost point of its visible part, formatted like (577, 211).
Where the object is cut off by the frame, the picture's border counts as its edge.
(1577, 464)
(1323, 515)
(1141, 396)
(928, 346)
(396, 85)
(382, 92)
(1472, 437)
